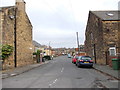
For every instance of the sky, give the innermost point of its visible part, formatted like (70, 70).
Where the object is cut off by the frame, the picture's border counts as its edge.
(55, 22)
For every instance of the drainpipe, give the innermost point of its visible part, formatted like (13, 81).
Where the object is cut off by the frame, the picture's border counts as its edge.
(15, 42)
(94, 46)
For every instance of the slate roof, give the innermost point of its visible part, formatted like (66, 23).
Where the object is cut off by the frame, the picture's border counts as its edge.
(36, 44)
(6, 7)
(107, 15)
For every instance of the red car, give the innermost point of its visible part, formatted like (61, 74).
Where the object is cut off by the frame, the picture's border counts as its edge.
(74, 59)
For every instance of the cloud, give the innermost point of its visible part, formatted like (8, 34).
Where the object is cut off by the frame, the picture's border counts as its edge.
(59, 20)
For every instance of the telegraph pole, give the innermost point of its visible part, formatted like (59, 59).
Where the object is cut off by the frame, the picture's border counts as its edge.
(78, 42)
(49, 47)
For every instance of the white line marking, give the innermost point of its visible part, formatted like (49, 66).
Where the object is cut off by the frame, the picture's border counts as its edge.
(62, 69)
(13, 74)
(53, 83)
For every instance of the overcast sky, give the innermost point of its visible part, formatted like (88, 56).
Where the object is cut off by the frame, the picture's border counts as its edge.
(56, 22)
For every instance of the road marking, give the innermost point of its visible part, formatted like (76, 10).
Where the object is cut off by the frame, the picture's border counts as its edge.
(55, 81)
(62, 69)
(13, 74)
(52, 83)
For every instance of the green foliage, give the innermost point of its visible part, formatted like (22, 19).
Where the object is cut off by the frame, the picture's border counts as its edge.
(37, 53)
(6, 51)
(34, 53)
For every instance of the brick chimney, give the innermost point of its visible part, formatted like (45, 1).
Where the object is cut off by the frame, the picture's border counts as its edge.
(20, 4)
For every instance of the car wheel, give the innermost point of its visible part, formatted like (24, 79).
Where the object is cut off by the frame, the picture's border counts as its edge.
(91, 66)
(78, 65)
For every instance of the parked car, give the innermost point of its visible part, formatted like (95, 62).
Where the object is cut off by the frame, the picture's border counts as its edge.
(84, 61)
(74, 59)
(47, 57)
(69, 56)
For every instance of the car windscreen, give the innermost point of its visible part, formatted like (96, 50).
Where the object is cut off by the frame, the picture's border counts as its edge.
(76, 57)
(86, 58)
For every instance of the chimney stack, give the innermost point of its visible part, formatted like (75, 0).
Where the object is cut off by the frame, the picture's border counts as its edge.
(20, 4)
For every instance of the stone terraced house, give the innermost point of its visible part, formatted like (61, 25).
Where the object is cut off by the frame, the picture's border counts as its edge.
(16, 30)
(102, 36)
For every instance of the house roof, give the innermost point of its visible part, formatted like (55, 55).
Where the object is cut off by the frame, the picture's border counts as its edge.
(36, 44)
(107, 15)
(7, 7)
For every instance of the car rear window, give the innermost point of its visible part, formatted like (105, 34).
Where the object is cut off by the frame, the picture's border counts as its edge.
(77, 57)
(86, 58)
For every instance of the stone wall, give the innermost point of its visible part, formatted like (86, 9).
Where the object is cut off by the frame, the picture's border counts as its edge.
(94, 39)
(99, 35)
(24, 39)
(7, 33)
(110, 34)
(24, 46)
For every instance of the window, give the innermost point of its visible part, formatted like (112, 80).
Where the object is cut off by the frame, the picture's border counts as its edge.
(86, 58)
(112, 51)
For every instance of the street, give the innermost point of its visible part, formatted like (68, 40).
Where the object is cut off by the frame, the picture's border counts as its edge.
(60, 73)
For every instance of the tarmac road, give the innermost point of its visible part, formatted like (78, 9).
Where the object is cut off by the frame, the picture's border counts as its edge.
(60, 73)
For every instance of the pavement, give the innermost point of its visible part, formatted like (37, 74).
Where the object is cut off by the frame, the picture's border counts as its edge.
(101, 68)
(105, 69)
(20, 70)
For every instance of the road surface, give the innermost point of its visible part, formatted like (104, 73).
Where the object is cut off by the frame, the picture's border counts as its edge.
(60, 73)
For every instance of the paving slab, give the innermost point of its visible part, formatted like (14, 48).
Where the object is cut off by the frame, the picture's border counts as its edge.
(19, 70)
(108, 70)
